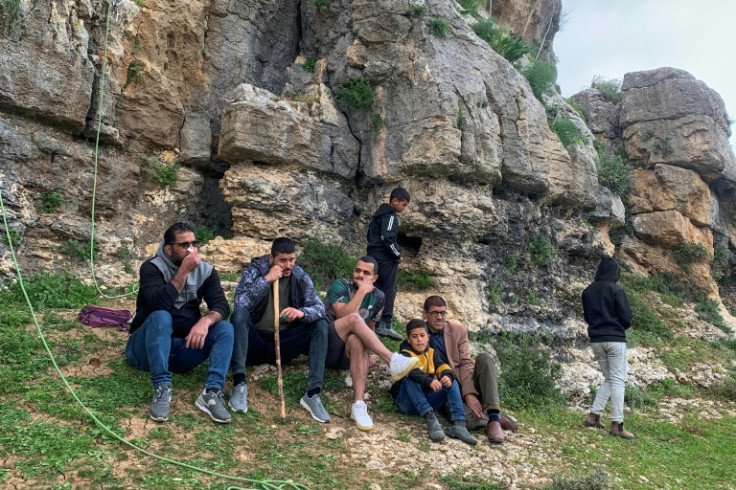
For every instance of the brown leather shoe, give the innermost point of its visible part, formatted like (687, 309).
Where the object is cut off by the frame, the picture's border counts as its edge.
(507, 423)
(494, 433)
(617, 429)
(594, 420)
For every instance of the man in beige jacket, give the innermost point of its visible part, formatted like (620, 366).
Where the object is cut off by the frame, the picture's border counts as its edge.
(478, 378)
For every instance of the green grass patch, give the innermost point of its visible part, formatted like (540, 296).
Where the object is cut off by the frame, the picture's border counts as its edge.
(354, 94)
(690, 253)
(47, 291)
(565, 129)
(541, 76)
(647, 328)
(709, 311)
(609, 89)
(511, 47)
(542, 251)
(322, 5)
(50, 201)
(415, 11)
(595, 480)
(408, 280)
(309, 65)
(438, 27)
(325, 263)
(612, 171)
(160, 171)
(528, 374)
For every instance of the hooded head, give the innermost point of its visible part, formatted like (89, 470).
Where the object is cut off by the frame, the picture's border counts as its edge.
(608, 270)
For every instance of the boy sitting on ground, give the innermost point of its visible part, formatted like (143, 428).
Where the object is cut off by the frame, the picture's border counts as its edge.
(428, 386)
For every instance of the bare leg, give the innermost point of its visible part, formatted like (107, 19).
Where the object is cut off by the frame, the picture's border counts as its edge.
(358, 356)
(353, 324)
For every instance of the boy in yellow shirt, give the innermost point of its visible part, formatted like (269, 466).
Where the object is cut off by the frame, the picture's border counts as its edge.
(428, 386)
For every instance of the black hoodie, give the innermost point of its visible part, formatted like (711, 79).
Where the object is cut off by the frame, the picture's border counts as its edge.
(382, 234)
(606, 308)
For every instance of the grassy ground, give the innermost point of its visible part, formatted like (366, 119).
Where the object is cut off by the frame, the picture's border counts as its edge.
(47, 440)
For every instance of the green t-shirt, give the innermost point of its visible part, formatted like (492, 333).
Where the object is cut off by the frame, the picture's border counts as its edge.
(343, 290)
(265, 324)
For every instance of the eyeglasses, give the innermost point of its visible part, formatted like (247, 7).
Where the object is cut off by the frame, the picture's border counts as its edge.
(437, 314)
(194, 243)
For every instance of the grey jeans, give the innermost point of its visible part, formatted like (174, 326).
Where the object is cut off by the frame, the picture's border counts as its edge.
(611, 357)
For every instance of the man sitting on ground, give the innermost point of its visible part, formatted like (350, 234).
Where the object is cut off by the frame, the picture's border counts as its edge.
(353, 306)
(168, 332)
(302, 327)
(478, 379)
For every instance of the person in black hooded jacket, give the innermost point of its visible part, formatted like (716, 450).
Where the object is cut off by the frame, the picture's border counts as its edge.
(382, 236)
(608, 315)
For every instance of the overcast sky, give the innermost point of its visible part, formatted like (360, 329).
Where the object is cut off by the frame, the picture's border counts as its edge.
(613, 37)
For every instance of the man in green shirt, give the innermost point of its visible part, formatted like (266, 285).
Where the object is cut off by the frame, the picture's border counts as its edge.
(352, 308)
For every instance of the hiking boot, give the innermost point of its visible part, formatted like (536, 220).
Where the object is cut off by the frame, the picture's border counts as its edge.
(494, 433)
(313, 404)
(239, 398)
(161, 405)
(212, 403)
(386, 330)
(617, 429)
(359, 413)
(400, 365)
(434, 429)
(507, 423)
(458, 431)
(594, 420)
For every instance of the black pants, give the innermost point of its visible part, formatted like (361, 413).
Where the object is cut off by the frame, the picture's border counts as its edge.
(387, 273)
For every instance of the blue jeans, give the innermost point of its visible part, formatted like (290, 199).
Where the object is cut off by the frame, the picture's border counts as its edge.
(413, 400)
(250, 348)
(611, 357)
(152, 348)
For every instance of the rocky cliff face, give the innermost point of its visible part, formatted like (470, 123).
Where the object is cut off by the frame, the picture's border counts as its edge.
(267, 146)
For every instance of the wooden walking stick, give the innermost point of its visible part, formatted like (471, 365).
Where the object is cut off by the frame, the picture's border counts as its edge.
(277, 342)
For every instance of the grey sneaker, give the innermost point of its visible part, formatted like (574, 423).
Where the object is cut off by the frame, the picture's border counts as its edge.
(211, 403)
(400, 366)
(386, 330)
(161, 405)
(239, 398)
(434, 429)
(458, 431)
(314, 405)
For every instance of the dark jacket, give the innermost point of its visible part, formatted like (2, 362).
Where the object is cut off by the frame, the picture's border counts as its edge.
(156, 293)
(606, 308)
(253, 290)
(383, 233)
(430, 367)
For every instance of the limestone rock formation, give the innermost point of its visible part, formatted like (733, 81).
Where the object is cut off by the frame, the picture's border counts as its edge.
(675, 131)
(261, 118)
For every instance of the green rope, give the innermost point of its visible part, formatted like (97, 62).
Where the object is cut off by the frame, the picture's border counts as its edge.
(262, 484)
(96, 158)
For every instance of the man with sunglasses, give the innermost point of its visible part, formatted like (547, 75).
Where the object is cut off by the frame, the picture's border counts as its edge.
(478, 378)
(169, 333)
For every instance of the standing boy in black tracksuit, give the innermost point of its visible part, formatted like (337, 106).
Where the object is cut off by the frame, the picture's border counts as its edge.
(382, 236)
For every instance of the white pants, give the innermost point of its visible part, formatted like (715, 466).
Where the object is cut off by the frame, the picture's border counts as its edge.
(611, 357)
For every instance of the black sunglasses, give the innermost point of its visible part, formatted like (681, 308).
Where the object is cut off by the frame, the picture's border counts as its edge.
(194, 243)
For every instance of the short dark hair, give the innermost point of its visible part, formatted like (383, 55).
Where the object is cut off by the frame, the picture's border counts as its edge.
(414, 324)
(399, 193)
(434, 301)
(282, 245)
(175, 229)
(370, 260)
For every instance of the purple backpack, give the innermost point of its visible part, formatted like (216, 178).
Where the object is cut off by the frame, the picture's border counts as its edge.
(97, 316)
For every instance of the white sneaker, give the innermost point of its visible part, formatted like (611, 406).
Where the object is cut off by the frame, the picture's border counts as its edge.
(400, 365)
(359, 413)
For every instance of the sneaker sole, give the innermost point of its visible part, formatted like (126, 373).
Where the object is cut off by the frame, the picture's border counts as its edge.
(207, 411)
(365, 428)
(412, 365)
(235, 409)
(158, 419)
(304, 404)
